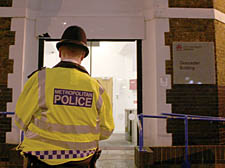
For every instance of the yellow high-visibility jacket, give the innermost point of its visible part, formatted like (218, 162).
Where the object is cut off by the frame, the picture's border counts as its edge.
(64, 113)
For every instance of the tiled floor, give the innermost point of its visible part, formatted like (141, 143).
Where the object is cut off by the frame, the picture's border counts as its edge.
(116, 153)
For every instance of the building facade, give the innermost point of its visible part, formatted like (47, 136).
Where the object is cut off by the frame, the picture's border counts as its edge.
(159, 24)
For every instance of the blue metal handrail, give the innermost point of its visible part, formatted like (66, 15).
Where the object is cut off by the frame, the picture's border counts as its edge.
(13, 113)
(9, 113)
(176, 116)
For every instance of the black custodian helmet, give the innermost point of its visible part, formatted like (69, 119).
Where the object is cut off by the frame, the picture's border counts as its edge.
(74, 35)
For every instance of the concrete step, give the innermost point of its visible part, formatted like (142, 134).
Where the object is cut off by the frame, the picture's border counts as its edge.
(116, 159)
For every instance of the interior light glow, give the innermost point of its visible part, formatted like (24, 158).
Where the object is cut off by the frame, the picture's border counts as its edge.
(191, 82)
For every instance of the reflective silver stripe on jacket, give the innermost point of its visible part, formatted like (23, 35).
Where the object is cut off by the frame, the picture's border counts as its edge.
(104, 132)
(99, 102)
(74, 129)
(101, 90)
(64, 144)
(20, 122)
(41, 87)
(41, 100)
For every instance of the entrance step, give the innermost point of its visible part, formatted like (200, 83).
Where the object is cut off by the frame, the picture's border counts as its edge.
(116, 159)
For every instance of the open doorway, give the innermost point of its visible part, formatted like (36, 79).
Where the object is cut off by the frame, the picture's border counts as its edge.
(115, 64)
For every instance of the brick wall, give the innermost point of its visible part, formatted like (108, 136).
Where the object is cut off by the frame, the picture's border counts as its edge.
(198, 99)
(216, 4)
(220, 59)
(204, 156)
(7, 38)
(5, 3)
(192, 99)
(191, 3)
(219, 5)
(9, 157)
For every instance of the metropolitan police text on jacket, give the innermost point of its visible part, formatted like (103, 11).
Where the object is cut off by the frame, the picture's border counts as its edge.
(73, 97)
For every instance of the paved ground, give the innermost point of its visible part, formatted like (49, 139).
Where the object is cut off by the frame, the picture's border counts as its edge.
(116, 153)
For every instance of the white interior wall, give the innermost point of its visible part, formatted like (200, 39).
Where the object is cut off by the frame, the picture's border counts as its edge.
(116, 59)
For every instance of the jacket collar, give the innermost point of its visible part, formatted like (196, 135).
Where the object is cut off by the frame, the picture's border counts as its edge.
(69, 64)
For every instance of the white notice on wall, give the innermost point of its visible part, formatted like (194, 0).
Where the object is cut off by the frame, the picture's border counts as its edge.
(193, 63)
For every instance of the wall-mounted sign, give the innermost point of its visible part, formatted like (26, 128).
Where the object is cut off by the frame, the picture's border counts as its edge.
(193, 63)
(133, 84)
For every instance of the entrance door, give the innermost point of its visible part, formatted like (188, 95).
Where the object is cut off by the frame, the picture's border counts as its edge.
(114, 64)
(107, 83)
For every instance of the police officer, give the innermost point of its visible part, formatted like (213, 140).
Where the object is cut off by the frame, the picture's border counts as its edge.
(63, 111)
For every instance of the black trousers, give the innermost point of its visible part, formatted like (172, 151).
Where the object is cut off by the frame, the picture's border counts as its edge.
(33, 162)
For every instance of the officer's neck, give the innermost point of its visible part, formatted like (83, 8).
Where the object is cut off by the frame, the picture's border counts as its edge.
(71, 60)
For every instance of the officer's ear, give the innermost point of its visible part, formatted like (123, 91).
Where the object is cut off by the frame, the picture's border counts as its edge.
(82, 57)
(60, 54)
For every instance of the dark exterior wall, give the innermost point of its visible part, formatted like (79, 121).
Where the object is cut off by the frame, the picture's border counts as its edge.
(201, 156)
(193, 99)
(219, 5)
(220, 59)
(191, 3)
(7, 38)
(220, 53)
(198, 99)
(5, 3)
(216, 4)
(8, 158)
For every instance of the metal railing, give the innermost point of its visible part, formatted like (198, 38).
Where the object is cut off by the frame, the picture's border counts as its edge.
(10, 113)
(176, 116)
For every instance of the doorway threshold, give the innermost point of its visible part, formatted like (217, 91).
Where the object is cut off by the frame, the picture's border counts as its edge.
(117, 147)
(117, 141)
